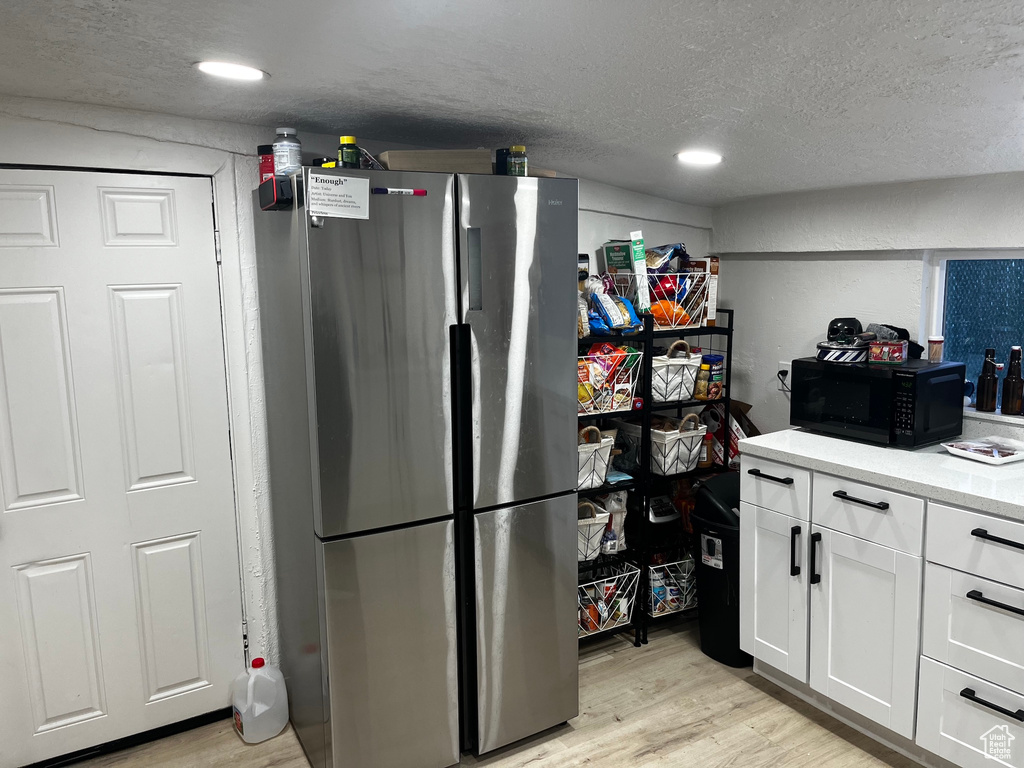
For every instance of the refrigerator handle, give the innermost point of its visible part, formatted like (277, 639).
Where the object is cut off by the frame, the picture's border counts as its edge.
(462, 413)
(473, 259)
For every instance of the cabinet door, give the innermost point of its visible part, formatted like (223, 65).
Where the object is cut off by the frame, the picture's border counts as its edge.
(773, 589)
(865, 627)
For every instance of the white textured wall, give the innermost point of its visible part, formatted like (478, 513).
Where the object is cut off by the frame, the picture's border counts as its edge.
(975, 212)
(40, 132)
(608, 213)
(784, 303)
(792, 262)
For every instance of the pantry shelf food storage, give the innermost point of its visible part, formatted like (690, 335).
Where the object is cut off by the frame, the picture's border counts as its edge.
(650, 456)
(607, 602)
(607, 377)
(672, 587)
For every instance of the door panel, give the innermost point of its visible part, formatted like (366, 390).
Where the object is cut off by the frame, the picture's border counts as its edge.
(392, 664)
(773, 601)
(120, 606)
(527, 649)
(518, 244)
(865, 628)
(382, 296)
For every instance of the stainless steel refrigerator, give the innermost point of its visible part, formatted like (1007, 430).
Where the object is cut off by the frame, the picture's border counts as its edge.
(419, 370)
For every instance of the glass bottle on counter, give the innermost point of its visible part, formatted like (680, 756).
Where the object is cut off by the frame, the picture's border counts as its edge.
(1013, 386)
(988, 383)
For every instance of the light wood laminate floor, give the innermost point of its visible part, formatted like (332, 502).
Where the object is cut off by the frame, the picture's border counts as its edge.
(663, 705)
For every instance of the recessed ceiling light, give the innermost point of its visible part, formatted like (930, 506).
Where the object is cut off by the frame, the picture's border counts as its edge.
(231, 71)
(699, 157)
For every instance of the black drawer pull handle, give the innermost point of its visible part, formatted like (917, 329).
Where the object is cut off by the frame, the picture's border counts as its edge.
(981, 533)
(794, 569)
(975, 594)
(970, 695)
(763, 476)
(882, 505)
(815, 576)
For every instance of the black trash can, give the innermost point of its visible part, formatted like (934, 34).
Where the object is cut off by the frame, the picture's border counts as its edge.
(716, 525)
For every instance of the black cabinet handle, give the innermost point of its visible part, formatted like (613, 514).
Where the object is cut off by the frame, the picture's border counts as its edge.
(981, 533)
(794, 569)
(975, 594)
(970, 695)
(883, 505)
(815, 576)
(763, 476)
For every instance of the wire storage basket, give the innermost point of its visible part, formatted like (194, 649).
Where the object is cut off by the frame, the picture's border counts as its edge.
(595, 453)
(674, 374)
(608, 602)
(592, 522)
(677, 299)
(673, 587)
(606, 383)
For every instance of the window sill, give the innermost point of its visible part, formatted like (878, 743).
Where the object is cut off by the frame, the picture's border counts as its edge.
(972, 413)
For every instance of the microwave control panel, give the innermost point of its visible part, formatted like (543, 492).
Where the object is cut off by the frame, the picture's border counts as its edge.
(903, 406)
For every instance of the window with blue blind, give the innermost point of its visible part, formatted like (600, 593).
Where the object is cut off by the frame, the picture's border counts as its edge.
(984, 307)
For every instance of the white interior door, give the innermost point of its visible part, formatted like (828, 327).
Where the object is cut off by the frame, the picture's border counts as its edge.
(773, 589)
(865, 628)
(120, 602)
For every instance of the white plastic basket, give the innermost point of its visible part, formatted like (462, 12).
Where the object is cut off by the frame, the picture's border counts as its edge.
(608, 603)
(673, 375)
(592, 524)
(672, 587)
(594, 458)
(607, 383)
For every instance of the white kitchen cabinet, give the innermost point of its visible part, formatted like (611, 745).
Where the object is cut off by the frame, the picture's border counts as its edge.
(865, 602)
(773, 589)
(968, 720)
(975, 625)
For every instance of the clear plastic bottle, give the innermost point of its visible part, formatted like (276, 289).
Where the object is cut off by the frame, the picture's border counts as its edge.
(287, 152)
(259, 702)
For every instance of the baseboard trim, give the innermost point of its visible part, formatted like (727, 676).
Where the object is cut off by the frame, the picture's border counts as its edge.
(134, 740)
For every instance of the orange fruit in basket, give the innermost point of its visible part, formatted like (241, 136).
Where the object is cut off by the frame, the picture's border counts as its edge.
(669, 313)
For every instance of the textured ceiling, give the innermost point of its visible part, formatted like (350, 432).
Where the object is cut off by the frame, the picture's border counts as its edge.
(796, 95)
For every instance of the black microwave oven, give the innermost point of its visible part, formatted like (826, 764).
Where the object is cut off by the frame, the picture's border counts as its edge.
(914, 404)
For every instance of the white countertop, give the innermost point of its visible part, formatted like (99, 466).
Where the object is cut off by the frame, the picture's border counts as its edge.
(930, 472)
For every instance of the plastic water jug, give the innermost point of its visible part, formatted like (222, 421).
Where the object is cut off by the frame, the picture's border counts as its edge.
(259, 702)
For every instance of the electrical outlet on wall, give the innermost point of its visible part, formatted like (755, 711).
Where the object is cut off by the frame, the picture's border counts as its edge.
(785, 366)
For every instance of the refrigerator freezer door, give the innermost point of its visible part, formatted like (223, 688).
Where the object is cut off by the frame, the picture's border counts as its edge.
(518, 285)
(527, 655)
(390, 615)
(382, 296)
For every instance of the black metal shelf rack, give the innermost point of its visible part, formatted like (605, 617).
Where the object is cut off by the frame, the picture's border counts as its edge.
(642, 545)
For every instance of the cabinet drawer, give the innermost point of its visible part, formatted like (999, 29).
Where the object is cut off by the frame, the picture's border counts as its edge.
(968, 733)
(868, 512)
(964, 540)
(975, 625)
(779, 487)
